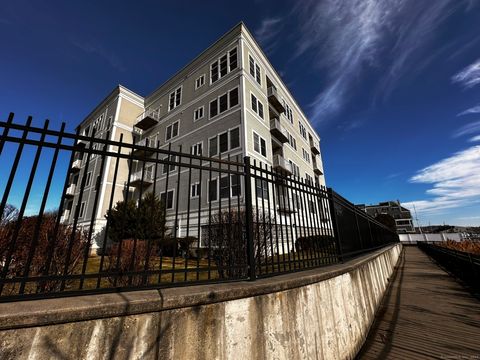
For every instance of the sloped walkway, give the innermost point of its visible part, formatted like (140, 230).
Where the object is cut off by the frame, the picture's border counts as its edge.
(425, 314)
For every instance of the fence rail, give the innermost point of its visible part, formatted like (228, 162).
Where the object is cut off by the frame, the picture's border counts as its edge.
(464, 265)
(83, 214)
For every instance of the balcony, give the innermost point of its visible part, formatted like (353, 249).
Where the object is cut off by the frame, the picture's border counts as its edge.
(282, 165)
(274, 99)
(148, 119)
(141, 148)
(315, 147)
(278, 131)
(70, 191)
(76, 165)
(139, 179)
(317, 169)
(66, 215)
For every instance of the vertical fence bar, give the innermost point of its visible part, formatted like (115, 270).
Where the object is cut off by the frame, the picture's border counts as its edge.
(249, 220)
(3, 139)
(333, 218)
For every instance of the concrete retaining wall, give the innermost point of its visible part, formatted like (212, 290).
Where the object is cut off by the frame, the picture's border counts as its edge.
(323, 313)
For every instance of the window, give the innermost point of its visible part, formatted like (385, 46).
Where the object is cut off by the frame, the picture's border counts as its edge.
(175, 98)
(309, 179)
(223, 142)
(259, 144)
(223, 65)
(288, 112)
(82, 209)
(200, 82)
(306, 155)
(224, 102)
(169, 167)
(171, 130)
(196, 149)
(89, 179)
(255, 70)
(229, 190)
(297, 202)
(295, 168)
(261, 188)
(212, 190)
(303, 131)
(234, 138)
(292, 141)
(233, 94)
(167, 199)
(97, 183)
(198, 113)
(213, 146)
(213, 108)
(195, 190)
(257, 106)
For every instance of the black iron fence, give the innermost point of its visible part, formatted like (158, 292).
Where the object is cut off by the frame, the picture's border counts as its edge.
(82, 213)
(463, 265)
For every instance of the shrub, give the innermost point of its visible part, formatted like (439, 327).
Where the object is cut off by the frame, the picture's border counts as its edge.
(314, 242)
(127, 256)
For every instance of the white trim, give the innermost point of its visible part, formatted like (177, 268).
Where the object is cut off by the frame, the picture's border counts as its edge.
(217, 61)
(171, 125)
(199, 187)
(174, 93)
(197, 79)
(259, 144)
(227, 93)
(196, 145)
(203, 113)
(257, 113)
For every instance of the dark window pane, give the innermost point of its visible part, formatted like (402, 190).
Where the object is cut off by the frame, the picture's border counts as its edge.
(214, 72)
(224, 188)
(223, 103)
(234, 97)
(263, 147)
(252, 67)
(234, 138)
(254, 103)
(260, 109)
(213, 146)
(212, 190)
(223, 65)
(213, 108)
(258, 74)
(235, 179)
(233, 59)
(223, 142)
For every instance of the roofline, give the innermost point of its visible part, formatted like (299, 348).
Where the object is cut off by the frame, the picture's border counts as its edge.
(117, 90)
(185, 67)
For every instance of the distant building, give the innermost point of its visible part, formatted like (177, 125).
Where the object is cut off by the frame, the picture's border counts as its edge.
(402, 216)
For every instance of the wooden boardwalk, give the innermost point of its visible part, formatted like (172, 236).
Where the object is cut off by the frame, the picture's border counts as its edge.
(425, 314)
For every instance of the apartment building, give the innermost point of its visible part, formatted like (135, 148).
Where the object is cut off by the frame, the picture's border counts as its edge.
(229, 102)
(402, 216)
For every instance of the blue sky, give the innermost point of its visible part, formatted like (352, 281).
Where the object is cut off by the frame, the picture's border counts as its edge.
(393, 87)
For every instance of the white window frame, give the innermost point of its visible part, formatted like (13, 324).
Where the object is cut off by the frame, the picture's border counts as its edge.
(195, 147)
(257, 70)
(257, 112)
(305, 155)
(174, 94)
(88, 180)
(230, 187)
(208, 189)
(303, 130)
(200, 80)
(171, 125)
(229, 106)
(198, 186)
(82, 209)
(239, 138)
(195, 113)
(217, 152)
(166, 198)
(217, 61)
(260, 144)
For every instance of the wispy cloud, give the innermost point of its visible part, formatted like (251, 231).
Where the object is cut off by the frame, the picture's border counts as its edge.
(468, 129)
(455, 182)
(267, 32)
(346, 38)
(475, 138)
(473, 110)
(99, 50)
(470, 76)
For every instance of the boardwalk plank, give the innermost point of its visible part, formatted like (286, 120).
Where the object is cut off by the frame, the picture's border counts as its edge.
(425, 314)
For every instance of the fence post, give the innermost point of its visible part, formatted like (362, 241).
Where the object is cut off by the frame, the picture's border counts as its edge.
(249, 220)
(333, 216)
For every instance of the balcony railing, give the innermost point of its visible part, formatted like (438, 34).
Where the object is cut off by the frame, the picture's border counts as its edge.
(148, 119)
(142, 178)
(70, 191)
(274, 99)
(282, 165)
(317, 169)
(278, 131)
(140, 148)
(315, 147)
(76, 165)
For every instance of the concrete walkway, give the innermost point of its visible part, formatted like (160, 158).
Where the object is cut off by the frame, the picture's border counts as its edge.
(425, 314)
